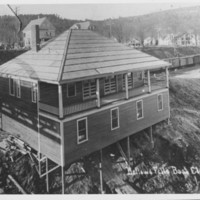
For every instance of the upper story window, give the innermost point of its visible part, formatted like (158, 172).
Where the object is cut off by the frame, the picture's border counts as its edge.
(138, 75)
(130, 80)
(160, 102)
(71, 89)
(18, 88)
(110, 85)
(82, 130)
(11, 86)
(34, 93)
(89, 89)
(139, 109)
(114, 118)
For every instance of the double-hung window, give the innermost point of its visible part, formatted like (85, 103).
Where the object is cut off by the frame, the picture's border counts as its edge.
(139, 109)
(11, 86)
(110, 85)
(82, 130)
(89, 89)
(160, 102)
(18, 88)
(114, 118)
(34, 93)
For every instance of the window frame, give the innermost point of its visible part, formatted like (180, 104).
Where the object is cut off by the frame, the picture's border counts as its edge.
(110, 79)
(158, 102)
(86, 127)
(34, 91)
(74, 90)
(18, 86)
(13, 85)
(138, 118)
(90, 96)
(130, 86)
(111, 119)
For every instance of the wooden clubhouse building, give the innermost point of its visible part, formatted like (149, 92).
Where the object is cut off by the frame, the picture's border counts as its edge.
(79, 93)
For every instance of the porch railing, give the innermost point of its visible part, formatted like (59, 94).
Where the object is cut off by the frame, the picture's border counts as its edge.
(48, 108)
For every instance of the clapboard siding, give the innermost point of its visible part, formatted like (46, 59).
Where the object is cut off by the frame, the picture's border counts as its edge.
(4, 86)
(20, 130)
(20, 117)
(99, 127)
(50, 139)
(73, 100)
(49, 94)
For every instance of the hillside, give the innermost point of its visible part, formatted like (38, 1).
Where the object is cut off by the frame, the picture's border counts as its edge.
(169, 21)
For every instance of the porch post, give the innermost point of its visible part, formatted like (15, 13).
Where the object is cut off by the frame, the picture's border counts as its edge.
(98, 93)
(151, 136)
(62, 152)
(128, 150)
(167, 77)
(47, 175)
(63, 179)
(60, 98)
(126, 85)
(149, 80)
(100, 172)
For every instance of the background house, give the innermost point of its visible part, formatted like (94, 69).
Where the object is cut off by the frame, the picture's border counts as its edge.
(134, 43)
(149, 41)
(166, 40)
(185, 39)
(84, 26)
(46, 31)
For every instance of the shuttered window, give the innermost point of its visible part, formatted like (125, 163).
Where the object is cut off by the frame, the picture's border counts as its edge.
(82, 130)
(139, 109)
(160, 102)
(110, 85)
(89, 89)
(114, 118)
(11, 86)
(130, 81)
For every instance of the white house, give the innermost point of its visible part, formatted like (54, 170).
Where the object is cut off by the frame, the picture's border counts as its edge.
(166, 40)
(83, 25)
(149, 41)
(185, 39)
(46, 31)
(134, 43)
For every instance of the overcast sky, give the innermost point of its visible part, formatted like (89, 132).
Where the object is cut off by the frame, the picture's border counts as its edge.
(95, 11)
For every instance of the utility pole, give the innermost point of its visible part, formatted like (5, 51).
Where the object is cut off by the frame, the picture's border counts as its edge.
(15, 12)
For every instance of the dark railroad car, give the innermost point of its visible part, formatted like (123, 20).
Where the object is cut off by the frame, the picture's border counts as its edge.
(196, 59)
(183, 61)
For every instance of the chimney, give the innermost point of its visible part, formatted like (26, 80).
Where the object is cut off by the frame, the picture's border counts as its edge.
(35, 39)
